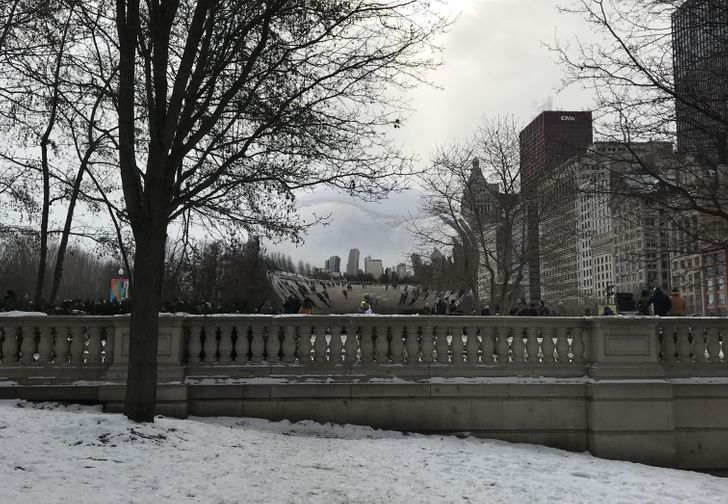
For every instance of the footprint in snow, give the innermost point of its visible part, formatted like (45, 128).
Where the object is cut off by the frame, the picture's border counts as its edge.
(581, 475)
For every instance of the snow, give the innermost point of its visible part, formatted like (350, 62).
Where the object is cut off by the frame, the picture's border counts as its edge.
(77, 454)
(16, 313)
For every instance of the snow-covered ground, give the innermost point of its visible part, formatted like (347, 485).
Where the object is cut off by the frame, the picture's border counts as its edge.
(76, 454)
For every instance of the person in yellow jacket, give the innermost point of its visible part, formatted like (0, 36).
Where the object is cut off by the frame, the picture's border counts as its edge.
(677, 304)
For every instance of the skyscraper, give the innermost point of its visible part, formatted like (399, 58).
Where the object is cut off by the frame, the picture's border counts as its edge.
(548, 141)
(334, 264)
(352, 266)
(373, 267)
(700, 66)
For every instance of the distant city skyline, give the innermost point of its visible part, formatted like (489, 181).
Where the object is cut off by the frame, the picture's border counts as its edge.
(495, 63)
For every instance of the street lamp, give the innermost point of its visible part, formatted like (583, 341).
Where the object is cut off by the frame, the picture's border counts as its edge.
(609, 291)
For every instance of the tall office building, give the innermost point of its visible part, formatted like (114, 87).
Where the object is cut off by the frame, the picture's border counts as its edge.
(352, 266)
(334, 264)
(603, 242)
(373, 267)
(550, 140)
(547, 142)
(700, 66)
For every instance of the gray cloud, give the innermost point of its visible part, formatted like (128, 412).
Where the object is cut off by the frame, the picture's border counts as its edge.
(495, 64)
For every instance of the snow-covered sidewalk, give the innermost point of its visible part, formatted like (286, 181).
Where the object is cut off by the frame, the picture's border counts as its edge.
(75, 454)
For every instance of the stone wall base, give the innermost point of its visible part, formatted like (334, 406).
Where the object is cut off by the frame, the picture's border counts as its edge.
(680, 425)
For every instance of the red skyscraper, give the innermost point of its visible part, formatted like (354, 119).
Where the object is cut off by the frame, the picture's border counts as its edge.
(548, 141)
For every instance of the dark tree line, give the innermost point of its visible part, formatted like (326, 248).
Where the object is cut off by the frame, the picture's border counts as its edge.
(89, 272)
(218, 276)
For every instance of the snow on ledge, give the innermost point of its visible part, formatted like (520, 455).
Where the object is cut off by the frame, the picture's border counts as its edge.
(16, 313)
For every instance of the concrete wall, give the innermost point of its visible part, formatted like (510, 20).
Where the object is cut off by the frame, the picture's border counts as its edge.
(647, 390)
(663, 422)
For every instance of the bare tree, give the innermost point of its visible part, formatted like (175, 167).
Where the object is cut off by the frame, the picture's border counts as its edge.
(227, 107)
(54, 101)
(36, 52)
(659, 72)
(471, 195)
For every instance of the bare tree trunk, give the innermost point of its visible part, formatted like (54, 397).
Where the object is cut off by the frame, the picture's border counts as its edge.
(61, 254)
(45, 167)
(141, 384)
(40, 274)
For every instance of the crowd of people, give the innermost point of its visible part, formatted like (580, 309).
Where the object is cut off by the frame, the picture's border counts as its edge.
(12, 302)
(306, 296)
(663, 305)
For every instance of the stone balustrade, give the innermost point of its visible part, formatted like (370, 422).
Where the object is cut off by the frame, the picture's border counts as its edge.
(458, 341)
(55, 348)
(558, 346)
(646, 389)
(693, 340)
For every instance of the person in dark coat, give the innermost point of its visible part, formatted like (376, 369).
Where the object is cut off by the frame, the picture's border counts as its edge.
(660, 301)
(643, 303)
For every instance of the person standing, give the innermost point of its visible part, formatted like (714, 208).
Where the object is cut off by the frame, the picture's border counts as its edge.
(365, 308)
(660, 301)
(306, 307)
(643, 303)
(677, 303)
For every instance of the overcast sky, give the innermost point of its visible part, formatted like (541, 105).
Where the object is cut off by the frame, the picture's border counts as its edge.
(494, 64)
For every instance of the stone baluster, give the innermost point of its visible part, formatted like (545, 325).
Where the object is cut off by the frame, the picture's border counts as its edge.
(257, 345)
(10, 346)
(668, 344)
(27, 346)
(699, 344)
(94, 345)
(517, 347)
(683, 344)
(562, 344)
(456, 345)
(713, 345)
(319, 344)
(367, 343)
(226, 344)
(210, 346)
(381, 345)
(273, 344)
(335, 345)
(108, 345)
(288, 346)
(487, 345)
(78, 344)
(304, 345)
(242, 344)
(428, 344)
(195, 345)
(351, 345)
(547, 344)
(532, 344)
(61, 346)
(45, 344)
(397, 344)
(412, 346)
(471, 344)
(501, 343)
(441, 346)
(577, 343)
